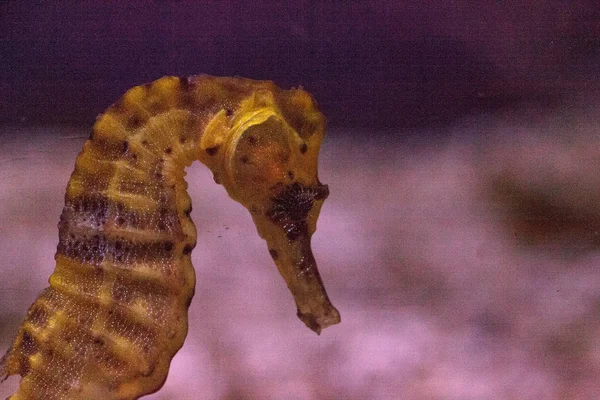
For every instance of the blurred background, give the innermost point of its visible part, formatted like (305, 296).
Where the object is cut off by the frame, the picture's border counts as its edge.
(461, 238)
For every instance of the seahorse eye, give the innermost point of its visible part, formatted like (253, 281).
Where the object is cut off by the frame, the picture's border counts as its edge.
(262, 154)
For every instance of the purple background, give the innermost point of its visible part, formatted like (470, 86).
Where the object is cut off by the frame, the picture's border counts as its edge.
(369, 63)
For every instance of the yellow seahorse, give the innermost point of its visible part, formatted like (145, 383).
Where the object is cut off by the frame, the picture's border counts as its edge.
(115, 312)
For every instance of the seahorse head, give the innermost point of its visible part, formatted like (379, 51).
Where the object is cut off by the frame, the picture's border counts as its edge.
(267, 161)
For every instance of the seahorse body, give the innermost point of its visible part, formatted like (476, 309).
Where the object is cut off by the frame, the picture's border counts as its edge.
(115, 312)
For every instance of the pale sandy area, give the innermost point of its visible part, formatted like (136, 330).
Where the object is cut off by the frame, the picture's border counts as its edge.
(449, 285)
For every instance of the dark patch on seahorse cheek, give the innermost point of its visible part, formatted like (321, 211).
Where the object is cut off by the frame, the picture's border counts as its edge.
(295, 230)
(274, 254)
(290, 208)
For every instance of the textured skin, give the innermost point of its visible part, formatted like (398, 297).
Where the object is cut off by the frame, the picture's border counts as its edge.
(115, 313)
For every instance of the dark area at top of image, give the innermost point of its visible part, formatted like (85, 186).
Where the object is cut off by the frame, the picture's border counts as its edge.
(372, 64)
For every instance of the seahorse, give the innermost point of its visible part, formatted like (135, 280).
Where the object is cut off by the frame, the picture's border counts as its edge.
(115, 311)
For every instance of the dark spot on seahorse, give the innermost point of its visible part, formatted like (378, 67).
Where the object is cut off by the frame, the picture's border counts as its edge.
(28, 344)
(99, 341)
(134, 156)
(290, 207)
(185, 82)
(182, 139)
(303, 148)
(149, 371)
(291, 175)
(125, 146)
(168, 150)
(274, 254)
(228, 112)
(144, 142)
(188, 249)
(38, 315)
(252, 140)
(134, 121)
(188, 211)
(211, 151)
(244, 160)
(217, 179)
(168, 246)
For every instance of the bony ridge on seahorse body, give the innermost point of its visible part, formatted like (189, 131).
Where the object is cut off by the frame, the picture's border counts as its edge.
(115, 312)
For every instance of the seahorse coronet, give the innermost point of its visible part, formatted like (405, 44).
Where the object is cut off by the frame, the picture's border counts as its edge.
(115, 313)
